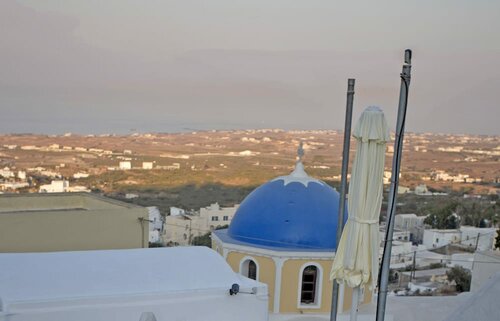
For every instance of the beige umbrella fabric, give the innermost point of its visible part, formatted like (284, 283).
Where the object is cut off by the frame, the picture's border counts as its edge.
(356, 260)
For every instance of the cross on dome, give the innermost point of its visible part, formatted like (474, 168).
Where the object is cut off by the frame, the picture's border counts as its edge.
(299, 175)
(300, 152)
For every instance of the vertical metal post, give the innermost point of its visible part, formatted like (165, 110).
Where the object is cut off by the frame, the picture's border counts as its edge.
(412, 276)
(391, 205)
(343, 185)
(353, 316)
(477, 242)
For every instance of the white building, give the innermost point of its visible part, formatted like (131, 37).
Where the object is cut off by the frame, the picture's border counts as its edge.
(155, 224)
(125, 165)
(176, 211)
(154, 237)
(147, 165)
(80, 175)
(398, 234)
(21, 175)
(413, 224)
(216, 216)
(422, 190)
(155, 219)
(469, 236)
(436, 238)
(401, 254)
(7, 173)
(483, 238)
(55, 187)
(13, 185)
(61, 186)
(127, 285)
(181, 228)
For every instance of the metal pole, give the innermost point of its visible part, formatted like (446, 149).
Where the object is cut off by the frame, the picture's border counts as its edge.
(412, 276)
(354, 304)
(477, 242)
(391, 205)
(343, 185)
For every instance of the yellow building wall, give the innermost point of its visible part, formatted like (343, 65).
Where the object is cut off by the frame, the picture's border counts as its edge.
(74, 230)
(291, 276)
(290, 282)
(290, 287)
(266, 270)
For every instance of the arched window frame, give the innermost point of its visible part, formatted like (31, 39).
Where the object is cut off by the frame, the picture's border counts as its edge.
(249, 258)
(318, 289)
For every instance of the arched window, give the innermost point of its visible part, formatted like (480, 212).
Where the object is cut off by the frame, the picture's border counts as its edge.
(309, 285)
(249, 269)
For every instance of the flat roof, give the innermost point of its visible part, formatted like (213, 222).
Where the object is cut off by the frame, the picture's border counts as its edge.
(34, 202)
(57, 276)
(46, 210)
(490, 253)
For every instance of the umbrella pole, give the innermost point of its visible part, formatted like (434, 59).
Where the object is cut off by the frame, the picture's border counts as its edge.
(343, 185)
(391, 205)
(355, 303)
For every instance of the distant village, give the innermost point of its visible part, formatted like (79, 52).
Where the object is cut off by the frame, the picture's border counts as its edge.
(433, 163)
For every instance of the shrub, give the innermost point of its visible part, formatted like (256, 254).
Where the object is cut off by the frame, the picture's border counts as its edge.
(461, 277)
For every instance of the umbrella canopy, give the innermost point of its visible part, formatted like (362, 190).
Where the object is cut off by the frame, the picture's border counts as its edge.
(356, 260)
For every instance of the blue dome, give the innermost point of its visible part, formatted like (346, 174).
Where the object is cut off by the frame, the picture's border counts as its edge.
(289, 212)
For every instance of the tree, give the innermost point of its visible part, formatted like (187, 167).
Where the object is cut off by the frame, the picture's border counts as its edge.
(497, 240)
(156, 244)
(461, 277)
(443, 217)
(477, 213)
(206, 239)
(203, 240)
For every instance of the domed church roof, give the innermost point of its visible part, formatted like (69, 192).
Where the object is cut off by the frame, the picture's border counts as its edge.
(293, 212)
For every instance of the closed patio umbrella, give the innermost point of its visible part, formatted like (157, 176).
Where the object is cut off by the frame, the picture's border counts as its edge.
(356, 260)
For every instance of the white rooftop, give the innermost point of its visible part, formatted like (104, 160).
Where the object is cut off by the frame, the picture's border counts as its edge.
(482, 305)
(66, 275)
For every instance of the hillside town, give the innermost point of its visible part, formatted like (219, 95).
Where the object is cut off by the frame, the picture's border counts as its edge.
(433, 163)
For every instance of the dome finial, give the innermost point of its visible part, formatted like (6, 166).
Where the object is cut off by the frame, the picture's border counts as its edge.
(300, 152)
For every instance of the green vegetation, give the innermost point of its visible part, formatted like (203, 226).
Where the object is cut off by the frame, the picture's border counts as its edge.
(497, 240)
(443, 217)
(186, 196)
(436, 265)
(461, 276)
(156, 244)
(481, 212)
(205, 239)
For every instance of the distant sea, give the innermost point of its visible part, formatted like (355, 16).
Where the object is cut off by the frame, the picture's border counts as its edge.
(121, 127)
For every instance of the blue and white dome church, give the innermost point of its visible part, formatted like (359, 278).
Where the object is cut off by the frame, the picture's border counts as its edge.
(284, 234)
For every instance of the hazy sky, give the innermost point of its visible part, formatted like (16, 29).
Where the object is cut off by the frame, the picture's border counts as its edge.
(112, 66)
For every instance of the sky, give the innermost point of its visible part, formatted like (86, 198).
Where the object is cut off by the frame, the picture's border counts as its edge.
(121, 66)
